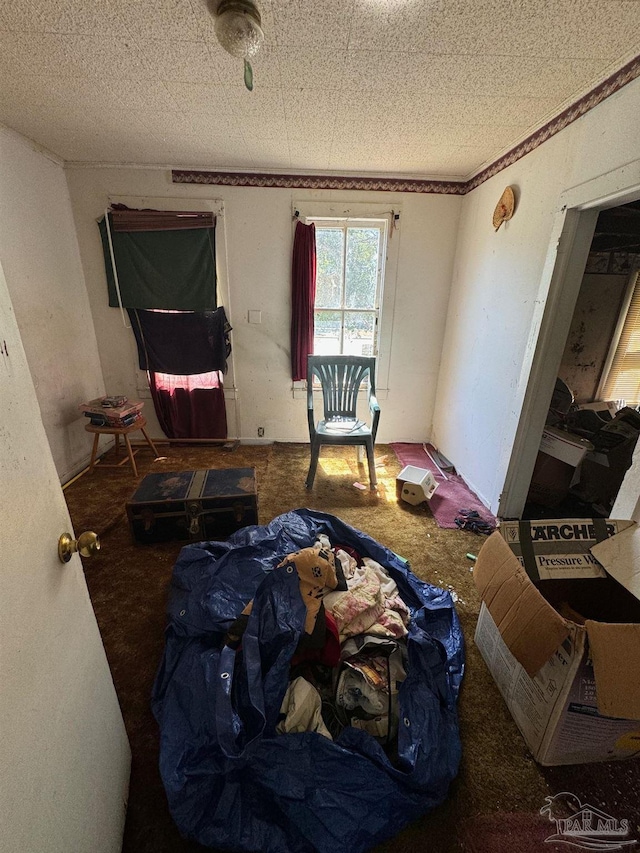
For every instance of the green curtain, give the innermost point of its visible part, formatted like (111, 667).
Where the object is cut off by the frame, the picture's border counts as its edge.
(170, 270)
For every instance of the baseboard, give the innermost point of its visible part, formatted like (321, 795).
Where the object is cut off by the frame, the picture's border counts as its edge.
(475, 491)
(68, 475)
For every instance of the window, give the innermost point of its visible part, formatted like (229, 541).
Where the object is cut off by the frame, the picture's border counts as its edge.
(350, 271)
(355, 284)
(623, 376)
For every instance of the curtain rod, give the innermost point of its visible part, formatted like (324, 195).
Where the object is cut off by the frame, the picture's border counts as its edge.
(379, 214)
(217, 209)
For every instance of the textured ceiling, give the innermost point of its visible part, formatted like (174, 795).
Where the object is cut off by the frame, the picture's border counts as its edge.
(422, 87)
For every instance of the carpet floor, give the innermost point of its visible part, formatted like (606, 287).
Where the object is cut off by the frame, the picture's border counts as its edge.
(495, 801)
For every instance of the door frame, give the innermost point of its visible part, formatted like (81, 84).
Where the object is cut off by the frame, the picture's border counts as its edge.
(571, 237)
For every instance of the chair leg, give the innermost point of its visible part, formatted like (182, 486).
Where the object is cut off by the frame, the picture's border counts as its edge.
(94, 452)
(373, 480)
(315, 452)
(131, 456)
(149, 442)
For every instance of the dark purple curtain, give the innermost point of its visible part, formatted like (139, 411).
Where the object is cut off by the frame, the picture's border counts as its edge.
(303, 295)
(185, 412)
(184, 354)
(182, 342)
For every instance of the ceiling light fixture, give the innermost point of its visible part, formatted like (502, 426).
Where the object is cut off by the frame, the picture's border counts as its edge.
(238, 28)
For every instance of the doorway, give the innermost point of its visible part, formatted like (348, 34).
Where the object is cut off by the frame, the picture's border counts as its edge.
(592, 425)
(575, 227)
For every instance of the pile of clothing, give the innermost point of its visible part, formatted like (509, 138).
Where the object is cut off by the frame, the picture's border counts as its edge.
(307, 694)
(350, 660)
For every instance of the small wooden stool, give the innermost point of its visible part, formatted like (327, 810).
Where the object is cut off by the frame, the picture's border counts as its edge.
(119, 431)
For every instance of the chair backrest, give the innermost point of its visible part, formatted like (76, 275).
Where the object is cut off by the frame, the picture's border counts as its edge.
(340, 378)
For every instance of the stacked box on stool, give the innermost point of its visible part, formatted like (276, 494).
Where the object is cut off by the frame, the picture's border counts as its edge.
(193, 505)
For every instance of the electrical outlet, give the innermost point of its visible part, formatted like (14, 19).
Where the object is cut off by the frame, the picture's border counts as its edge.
(260, 432)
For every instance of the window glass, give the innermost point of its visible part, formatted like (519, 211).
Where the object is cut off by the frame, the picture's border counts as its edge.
(348, 286)
(361, 268)
(328, 333)
(359, 328)
(329, 264)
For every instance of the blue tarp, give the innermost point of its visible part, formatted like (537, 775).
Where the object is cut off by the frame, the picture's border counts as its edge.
(231, 782)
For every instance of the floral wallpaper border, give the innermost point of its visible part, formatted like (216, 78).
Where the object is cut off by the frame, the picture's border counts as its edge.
(583, 105)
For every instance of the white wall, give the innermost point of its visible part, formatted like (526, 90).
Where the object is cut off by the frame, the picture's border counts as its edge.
(39, 253)
(498, 285)
(259, 232)
(594, 322)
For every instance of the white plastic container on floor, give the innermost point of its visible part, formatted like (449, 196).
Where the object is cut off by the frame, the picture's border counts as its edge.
(415, 485)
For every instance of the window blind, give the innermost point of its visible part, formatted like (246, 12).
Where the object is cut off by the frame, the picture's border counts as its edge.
(129, 219)
(623, 379)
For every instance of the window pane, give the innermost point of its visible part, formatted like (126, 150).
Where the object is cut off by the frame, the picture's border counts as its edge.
(326, 339)
(329, 252)
(361, 267)
(359, 328)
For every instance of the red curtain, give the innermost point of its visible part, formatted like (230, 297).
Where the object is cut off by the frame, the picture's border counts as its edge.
(190, 406)
(303, 295)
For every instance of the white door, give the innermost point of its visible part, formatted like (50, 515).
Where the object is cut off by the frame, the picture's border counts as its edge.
(64, 753)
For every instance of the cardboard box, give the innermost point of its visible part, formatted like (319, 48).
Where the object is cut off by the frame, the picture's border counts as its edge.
(557, 548)
(620, 556)
(564, 652)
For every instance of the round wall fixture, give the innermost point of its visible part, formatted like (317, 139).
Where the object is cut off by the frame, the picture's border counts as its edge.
(504, 208)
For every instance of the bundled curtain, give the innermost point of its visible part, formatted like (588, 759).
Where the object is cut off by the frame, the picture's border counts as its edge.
(164, 259)
(181, 342)
(190, 406)
(303, 295)
(185, 355)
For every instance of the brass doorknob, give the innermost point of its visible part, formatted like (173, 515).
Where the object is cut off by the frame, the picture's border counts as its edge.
(86, 545)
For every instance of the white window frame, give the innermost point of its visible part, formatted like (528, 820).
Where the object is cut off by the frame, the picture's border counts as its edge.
(359, 214)
(344, 223)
